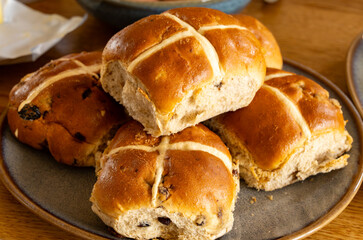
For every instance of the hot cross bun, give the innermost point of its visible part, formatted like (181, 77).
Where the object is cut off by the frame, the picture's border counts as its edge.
(290, 131)
(182, 186)
(181, 67)
(62, 107)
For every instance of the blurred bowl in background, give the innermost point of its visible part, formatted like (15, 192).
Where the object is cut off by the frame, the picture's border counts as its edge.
(120, 13)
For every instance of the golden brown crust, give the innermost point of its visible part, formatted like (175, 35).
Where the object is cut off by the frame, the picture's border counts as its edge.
(266, 128)
(268, 42)
(125, 182)
(67, 149)
(74, 108)
(320, 112)
(184, 62)
(197, 183)
(229, 44)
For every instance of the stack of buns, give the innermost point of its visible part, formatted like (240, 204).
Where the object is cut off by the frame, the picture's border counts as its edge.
(164, 174)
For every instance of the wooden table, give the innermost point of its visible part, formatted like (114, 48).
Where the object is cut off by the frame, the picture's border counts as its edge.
(314, 33)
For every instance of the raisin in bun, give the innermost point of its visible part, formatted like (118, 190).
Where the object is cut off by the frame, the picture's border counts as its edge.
(181, 67)
(181, 186)
(290, 131)
(62, 107)
(271, 49)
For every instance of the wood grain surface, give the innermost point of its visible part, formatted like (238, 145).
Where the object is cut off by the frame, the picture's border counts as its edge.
(316, 33)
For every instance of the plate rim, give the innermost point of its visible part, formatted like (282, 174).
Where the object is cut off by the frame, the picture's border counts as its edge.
(26, 201)
(353, 188)
(358, 178)
(349, 72)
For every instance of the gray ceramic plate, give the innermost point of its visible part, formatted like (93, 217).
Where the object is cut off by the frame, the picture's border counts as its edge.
(355, 72)
(60, 193)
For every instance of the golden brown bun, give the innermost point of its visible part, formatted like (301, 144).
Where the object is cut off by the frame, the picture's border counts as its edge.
(290, 130)
(181, 67)
(184, 180)
(61, 107)
(271, 49)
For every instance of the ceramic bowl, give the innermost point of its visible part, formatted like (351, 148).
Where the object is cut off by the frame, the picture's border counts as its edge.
(120, 13)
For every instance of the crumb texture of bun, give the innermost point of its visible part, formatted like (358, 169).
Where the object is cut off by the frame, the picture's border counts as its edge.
(182, 186)
(62, 107)
(271, 49)
(181, 67)
(290, 131)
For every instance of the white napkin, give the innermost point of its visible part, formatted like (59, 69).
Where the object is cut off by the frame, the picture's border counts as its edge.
(25, 34)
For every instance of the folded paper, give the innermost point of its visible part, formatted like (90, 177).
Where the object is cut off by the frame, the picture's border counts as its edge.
(25, 34)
